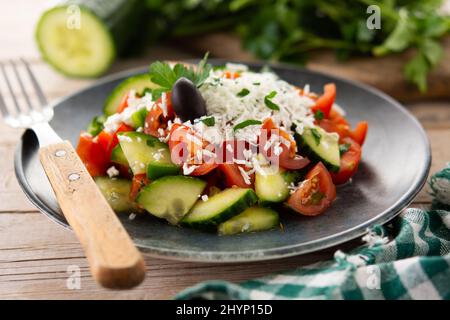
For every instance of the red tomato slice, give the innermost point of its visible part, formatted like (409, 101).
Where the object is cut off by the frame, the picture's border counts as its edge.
(233, 175)
(108, 141)
(343, 130)
(360, 132)
(295, 163)
(137, 183)
(93, 155)
(349, 162)
(269, 125)
(336, 117)
(204, 168)
(153, 121)
(231, 75)
(325, 101)
(315, 194)
(123, 103)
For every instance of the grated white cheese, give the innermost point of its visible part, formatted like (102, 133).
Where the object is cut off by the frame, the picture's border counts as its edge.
(205, 197)
(135, 103)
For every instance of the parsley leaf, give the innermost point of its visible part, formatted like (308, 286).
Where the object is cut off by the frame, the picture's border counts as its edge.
(162, 74)
(210, 121)
(319, 115)
(243, 93)
(246, 123)
(269, 103)
(343, 148)
(316, 135)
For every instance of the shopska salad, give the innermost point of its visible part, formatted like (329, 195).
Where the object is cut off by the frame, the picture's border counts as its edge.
(222, 149)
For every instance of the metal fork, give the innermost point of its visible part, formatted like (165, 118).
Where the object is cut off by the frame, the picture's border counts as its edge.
(114, 260)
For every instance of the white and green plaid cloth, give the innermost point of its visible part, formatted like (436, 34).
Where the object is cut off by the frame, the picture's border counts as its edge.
(406, 259)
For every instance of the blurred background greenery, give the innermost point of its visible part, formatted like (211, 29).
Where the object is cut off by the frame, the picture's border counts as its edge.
(284, 30)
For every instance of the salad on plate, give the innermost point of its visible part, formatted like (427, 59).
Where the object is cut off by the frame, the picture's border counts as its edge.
(223, 149)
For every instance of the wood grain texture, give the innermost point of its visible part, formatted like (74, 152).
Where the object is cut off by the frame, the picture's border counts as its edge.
(113, 258)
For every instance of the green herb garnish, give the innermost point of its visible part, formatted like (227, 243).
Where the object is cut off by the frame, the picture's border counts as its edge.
(316, 135)
(343, 148)
(269, 103)
(246, 123)
(96, 125)
(243, 93)
(256, 83)
(210, 121)
(162, 74)
(319, 115)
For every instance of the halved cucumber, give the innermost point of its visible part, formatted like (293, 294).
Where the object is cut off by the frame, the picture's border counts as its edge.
(252, 219)
(319, 145)
(117, 156)
(117, 193)
(81, 37)
(146, 154)
(171, 197)
(138, 82)
(219, 208)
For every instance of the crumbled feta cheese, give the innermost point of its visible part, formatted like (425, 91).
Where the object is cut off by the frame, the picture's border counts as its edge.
(188, 169)
(204, 197)
(132, 216)
(140, 129)
(112, 172)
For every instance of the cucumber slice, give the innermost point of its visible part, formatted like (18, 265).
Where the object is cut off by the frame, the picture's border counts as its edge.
(117, 193)
(138, 82)
(171, 197)
(146, 154)
(80, 38)
(117, 156)
(252, 219)
(319, 145)
(271, 187)
(219, 208)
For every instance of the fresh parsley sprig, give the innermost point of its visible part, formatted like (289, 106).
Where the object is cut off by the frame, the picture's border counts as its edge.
(163, 75)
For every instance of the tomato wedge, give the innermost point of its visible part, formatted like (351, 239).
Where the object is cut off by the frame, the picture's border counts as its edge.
(93, 155)
(109, 140)
(349, 162)
(137, 183)
(325, 101)
(123, 103)
(360, 132)
(295, 163)
(315, 194)
(156, 119)
(231, 75)
(269, 125)
(233, 176)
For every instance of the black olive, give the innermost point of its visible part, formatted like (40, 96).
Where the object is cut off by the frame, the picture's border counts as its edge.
(187, 101)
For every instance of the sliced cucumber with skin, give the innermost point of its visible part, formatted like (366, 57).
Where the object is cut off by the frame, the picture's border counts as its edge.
(138, 82)
(138, 118)
(146, 154)
(251, 220)
(319, 145)
(117, 156)
(81, 38)
(171, 197)
(271, 187)
(117, 193)
(219, 208)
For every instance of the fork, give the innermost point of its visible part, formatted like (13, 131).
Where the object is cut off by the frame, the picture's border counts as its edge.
(114, 260)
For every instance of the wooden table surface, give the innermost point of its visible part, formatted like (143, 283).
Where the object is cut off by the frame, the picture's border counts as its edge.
(35, 253)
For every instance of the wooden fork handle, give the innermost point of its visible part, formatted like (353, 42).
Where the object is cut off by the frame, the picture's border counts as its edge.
(114, 260)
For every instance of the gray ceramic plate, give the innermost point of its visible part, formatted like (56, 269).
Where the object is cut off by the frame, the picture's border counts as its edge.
(396, 160)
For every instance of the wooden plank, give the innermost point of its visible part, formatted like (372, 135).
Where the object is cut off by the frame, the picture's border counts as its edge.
(34, 262)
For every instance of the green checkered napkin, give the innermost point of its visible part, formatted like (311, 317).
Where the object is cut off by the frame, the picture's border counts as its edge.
(406, 259)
